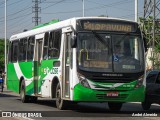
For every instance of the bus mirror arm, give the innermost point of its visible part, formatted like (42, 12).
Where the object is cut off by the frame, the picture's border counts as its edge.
(73, 41)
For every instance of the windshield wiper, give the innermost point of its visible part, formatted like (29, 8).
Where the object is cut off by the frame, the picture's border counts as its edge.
(124, 36)
(100, 38)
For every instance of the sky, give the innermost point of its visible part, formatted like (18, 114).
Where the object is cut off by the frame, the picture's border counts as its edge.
(19, 12)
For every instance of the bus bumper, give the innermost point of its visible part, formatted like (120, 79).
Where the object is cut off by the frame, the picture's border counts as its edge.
(83, 94)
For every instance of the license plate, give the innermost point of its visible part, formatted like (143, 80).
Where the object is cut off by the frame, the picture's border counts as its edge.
(112, 94)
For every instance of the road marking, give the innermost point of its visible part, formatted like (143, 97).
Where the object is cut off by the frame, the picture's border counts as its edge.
(152, 118)
(25, 118)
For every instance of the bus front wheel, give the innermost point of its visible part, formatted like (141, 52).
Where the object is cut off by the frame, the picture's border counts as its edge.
(24, 97)
(115, 106)
(146, 105)
(60, 103)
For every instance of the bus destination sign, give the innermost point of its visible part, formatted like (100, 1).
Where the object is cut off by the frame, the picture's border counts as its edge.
(108, 26)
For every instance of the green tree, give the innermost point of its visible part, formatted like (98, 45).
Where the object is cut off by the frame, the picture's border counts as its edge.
(1, 54)
(147, 27)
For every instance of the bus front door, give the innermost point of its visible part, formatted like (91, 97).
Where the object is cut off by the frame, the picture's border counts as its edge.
(66, 66)
(37, 63)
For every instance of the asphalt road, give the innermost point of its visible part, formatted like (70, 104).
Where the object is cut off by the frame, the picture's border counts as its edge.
(10, 102)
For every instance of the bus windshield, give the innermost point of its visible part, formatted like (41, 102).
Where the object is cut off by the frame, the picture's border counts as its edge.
(104, 52)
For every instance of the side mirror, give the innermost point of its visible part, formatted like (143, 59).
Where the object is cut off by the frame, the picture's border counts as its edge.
(73, 41)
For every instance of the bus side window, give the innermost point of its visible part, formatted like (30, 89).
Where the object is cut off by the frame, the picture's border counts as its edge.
(57, 43)
(14, 52)
(22, 49)
(45, 48)
(30, 48)
(50, 50)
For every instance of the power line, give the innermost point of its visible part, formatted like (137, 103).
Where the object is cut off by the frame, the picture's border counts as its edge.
(13, 3)
(20, 30)
(113, 4)
(53, 4)
(17, 12)
(24, 9)
(17, 17)
(1, 3)
(129, 15)
(92, 8)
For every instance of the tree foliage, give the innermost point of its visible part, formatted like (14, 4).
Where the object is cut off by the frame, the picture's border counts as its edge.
(147, 27)
(2, 57)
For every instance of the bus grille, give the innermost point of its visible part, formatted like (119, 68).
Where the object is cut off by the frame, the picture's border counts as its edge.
(105, 97)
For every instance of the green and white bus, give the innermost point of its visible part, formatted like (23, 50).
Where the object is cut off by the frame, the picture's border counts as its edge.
(73, 61)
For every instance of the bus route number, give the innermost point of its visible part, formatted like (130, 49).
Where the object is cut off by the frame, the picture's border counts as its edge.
(50, 71)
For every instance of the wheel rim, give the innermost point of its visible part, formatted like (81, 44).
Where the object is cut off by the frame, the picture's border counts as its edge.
(58, 97)
(22, 92)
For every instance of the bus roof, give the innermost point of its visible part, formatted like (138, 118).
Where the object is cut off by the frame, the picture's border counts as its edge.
(58, 25)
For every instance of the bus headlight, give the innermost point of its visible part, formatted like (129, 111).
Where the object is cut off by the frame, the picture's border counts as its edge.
(83, 81)
(139, 82)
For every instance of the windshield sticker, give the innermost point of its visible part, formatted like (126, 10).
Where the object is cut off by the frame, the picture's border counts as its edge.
(128, 67)
(96, 64)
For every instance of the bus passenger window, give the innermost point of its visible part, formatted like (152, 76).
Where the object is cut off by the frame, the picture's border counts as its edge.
(14, 54)
(22, 49)
(30, 48)
(45, 48)
(54, 44)
(57, 43)
(50, 49)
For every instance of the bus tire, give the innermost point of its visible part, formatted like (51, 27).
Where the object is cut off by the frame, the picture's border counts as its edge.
(24, 97)
(115, 106)
(60, 103)
(146, 105)
(33, 99)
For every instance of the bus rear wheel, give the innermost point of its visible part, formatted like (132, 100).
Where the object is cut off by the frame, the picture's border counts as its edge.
(60, 103)
(115, 106)
(24, 97)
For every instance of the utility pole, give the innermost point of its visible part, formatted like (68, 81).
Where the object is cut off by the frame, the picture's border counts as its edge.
(136, 20)
(151, 12)
(83, 8)
(5, 63)
(36, 9)
(136, 10)
(153, 42)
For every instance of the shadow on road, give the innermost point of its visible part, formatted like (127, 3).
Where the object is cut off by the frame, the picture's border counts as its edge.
(94, 110)
(7, 94)
(100, 108)
(90, 109)
(50, 103)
